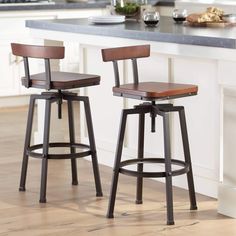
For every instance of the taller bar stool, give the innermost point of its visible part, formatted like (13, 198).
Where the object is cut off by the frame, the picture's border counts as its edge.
(150, 92)
(58, 82)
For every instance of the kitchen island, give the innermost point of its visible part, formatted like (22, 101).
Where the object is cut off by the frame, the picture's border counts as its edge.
(181, 54)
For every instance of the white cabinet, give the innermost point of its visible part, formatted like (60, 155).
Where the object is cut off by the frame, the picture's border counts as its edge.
(12, 69)
(13, 29)
(9, 71)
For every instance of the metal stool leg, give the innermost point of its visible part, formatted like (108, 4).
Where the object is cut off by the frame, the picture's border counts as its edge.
(27, 143)
(117, 165)
(72, 140)
(139, 193)
(169, 191)
(93, 147)
(192, 196)
(45, 152)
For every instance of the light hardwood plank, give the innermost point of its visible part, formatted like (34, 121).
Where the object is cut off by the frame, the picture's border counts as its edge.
(74, 210)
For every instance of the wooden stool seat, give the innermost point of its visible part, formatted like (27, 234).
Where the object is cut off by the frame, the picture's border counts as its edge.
(154, 90)
(62, 80)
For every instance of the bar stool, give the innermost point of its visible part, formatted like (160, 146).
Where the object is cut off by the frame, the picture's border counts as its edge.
(59, 82)
(150, 92)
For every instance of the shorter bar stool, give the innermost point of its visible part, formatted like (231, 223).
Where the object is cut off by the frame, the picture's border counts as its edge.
(58, 82)
(149, 92)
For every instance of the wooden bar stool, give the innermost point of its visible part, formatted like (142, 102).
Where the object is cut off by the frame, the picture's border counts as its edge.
(149, 92)
(59, 82)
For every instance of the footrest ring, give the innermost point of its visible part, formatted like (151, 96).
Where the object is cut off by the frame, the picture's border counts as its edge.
(183, 170)
(31, 151)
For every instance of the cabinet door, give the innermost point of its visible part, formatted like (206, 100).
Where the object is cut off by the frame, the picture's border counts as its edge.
(12, 67)
(9, 71)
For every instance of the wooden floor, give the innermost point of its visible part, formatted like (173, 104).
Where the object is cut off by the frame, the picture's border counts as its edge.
(74, 210)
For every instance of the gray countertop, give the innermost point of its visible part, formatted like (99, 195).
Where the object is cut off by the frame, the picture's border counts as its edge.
(61, 4)
(167, 31)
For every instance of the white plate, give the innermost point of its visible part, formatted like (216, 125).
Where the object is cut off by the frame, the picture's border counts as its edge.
(110, 19)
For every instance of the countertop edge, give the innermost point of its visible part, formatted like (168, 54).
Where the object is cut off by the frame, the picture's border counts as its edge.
(208, 41)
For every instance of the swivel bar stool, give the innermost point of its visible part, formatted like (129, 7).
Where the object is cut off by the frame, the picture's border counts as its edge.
(59, 82)
(149, 92)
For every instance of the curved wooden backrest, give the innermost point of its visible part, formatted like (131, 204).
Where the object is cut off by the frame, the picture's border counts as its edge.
(123, 53)
(46, 52)
(41, 52)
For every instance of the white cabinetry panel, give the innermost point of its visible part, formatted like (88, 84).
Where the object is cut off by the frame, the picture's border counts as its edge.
(13, 29)
(9, 71)
(203, 118)
(106, 109)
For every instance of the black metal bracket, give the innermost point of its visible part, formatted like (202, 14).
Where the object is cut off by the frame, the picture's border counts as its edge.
(154, 110)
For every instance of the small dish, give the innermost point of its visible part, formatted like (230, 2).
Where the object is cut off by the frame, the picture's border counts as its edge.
(109, 19)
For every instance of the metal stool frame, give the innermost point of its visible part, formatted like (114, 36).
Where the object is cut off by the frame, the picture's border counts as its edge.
(133, 53)
(162, 110)
(51, 97)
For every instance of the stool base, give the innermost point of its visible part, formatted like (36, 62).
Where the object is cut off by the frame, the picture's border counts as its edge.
(193, 208)
(162, 110)
(139, 202)
(75, 183)
(170, 223)
(100, 194)
(42, 201)
(110, 216)
(31, 150)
